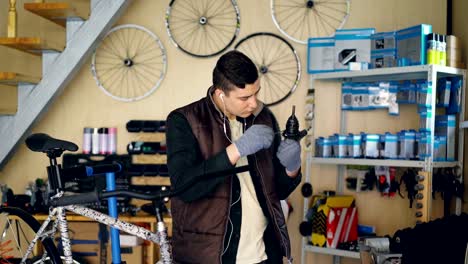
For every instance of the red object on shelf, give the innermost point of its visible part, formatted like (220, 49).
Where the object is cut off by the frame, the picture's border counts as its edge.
(341, 226)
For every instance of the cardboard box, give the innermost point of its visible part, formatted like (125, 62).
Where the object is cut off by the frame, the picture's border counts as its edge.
(383, 59)
(352, 45)
(320, 55)
(320, 216)
(411, 45)
(85, 240)
(132, 255)
(341, 226)
(383, 41)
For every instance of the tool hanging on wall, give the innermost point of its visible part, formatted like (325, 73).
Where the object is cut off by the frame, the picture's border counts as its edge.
(447, 182)
(409, 179)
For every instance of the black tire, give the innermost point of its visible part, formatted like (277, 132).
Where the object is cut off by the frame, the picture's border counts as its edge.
(278, 65)
(47, 243)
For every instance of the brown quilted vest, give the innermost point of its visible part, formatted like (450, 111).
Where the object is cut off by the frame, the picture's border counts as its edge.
(199, 227)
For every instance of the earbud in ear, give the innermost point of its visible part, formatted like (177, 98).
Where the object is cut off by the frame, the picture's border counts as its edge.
(221, 95)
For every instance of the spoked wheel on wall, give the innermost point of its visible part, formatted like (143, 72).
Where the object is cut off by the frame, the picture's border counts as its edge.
(17, 230)
(299, 20)
(277, 62)
(202, 28)
(130, 63)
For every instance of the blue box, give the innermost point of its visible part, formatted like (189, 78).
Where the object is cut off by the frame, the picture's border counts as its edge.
(383, 41)
(352, 45)
(320, 55)
(411, 44)
(383, 58)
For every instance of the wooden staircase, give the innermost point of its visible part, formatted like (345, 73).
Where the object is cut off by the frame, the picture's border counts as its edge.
(60, 12)
(85, 22)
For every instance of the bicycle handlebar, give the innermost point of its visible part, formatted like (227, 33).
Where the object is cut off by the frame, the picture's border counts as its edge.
(96, 196)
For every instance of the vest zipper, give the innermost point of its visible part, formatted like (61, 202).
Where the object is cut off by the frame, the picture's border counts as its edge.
(286, 251)
(227, 220)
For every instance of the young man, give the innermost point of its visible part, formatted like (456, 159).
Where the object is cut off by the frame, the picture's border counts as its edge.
(232, 218)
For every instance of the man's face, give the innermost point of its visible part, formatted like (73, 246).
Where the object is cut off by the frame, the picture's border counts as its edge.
(242, 102)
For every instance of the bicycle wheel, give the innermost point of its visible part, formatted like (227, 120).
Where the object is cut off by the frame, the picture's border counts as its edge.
(130, 63)
(299, 20)
(202, 28)
(17, 229)
(277, 62)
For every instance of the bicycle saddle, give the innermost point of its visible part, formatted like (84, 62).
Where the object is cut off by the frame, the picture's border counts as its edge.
(41, 142)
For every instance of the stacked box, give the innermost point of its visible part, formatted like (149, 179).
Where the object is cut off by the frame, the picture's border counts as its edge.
(370, 145)
(320, 55)
(406, 141)
(423, 139)
(383, 50)
(354, 146)
(352, 45)
(445, 127)
(411, 45)
(390, 146)
(340, 148)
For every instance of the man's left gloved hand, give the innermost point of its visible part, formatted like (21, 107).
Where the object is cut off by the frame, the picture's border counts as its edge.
(289, 154)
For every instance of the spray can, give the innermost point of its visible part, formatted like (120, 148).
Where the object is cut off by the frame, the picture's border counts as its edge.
(112, 137)
(87, 135)
(103, 140)
(431, 52)
(443, 50)
(95, 141)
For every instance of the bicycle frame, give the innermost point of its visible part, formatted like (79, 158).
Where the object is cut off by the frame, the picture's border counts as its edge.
(160, 237)
(36, 142)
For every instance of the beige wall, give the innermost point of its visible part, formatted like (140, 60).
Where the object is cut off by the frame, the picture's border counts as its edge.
(83, 104)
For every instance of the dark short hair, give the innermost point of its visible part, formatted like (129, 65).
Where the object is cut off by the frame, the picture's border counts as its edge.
(234, 69)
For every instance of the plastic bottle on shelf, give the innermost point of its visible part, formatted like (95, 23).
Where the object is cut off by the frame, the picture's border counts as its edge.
(443, 50)
(112, 137)
(431, 52)
(95, 142)
(87, 139)
(103, 140)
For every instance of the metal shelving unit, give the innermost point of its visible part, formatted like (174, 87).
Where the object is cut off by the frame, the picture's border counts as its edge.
(332, 251)
(429, 72)
(382, 162)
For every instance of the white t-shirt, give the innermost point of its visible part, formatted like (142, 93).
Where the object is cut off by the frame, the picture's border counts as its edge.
(251, 246)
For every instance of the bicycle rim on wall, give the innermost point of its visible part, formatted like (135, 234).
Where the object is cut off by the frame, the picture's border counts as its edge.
(277, 62)
(299, 20)
(130, 63)
(202, 28)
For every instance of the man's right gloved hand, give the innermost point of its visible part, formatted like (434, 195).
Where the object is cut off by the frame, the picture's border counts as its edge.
(255, 138)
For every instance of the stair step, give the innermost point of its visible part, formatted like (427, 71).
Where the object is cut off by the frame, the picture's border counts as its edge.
(33, 45)
(12, 78)
(59, 12)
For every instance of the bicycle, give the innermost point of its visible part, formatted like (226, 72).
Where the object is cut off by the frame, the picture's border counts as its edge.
(59, 203)
(57, 221)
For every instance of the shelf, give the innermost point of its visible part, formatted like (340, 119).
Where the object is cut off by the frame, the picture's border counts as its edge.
(381, 162)
(388, 74)
(332, 251)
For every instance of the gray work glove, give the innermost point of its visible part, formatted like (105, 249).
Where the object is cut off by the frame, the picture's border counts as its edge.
(289, 154)
(255, 138)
